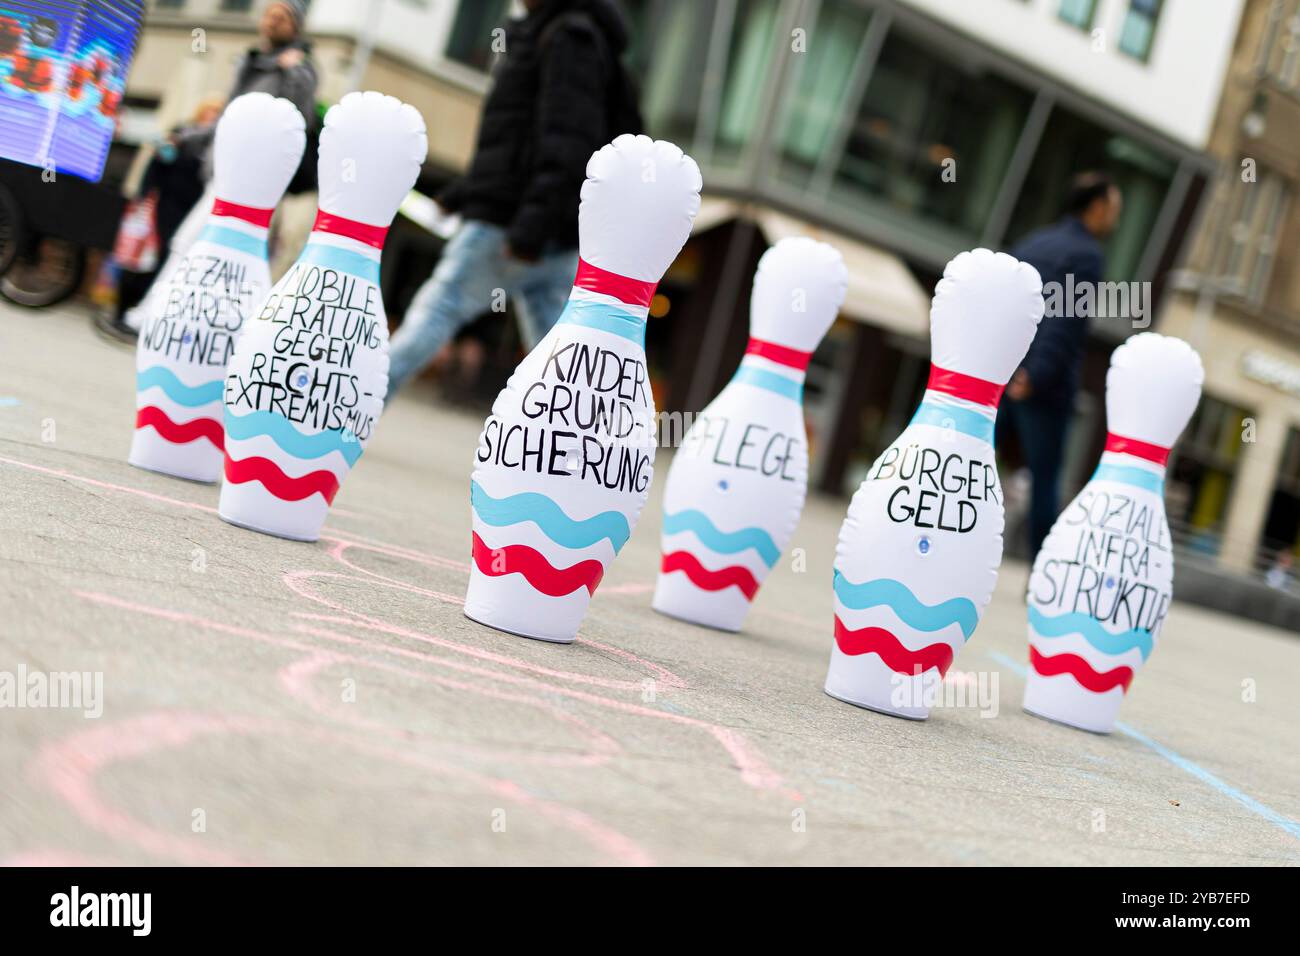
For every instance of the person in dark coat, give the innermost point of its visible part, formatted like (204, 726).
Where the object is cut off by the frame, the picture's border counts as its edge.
(547, 112)
(1041, 392)
(280, 64)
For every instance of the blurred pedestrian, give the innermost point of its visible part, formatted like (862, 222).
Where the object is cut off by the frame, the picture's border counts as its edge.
(559, 93)
(279, 64)
(173, 180)
(1041, 392)
(1278, 575)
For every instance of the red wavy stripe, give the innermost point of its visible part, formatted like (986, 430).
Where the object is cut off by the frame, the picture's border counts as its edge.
(883, 643)
(1080, 670)
(537, 571)
(708, 580)
(275, 481)
(180, 433)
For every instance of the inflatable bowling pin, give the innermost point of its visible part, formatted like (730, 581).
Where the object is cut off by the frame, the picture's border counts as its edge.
(197, 309)
(564, 462)
(918, 554)
(1102, 583)
(736, 486)
(308, 379)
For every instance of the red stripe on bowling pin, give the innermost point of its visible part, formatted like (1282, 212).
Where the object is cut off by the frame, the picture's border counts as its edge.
(966, 387)
(780, 354)
(1157, 454)
(595, 279)
(373, 236)
(249, 214)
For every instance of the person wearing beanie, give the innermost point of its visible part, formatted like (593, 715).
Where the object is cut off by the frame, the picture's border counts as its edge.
(279, 64)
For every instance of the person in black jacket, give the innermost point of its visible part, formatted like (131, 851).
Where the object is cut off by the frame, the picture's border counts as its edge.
(1042, 390)
(279, 64)
(547, 112)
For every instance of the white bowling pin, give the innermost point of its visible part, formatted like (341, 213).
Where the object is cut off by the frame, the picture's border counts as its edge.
(1101, 585)
(564, 462)
(736, 486)
(197, 308)
(309, 377)
(918, 554)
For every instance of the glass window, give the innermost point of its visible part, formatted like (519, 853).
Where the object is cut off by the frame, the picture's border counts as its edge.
(640, 22)
(751, 55)
(236, 6)
(1279, 54)
(931, 138)
(1280, 545)
(1077, 12)
(471, 32)
(1071, 144)
(678, 78)
(1139, 28)
(819, 87)
(1254, 212)
(1201, 474)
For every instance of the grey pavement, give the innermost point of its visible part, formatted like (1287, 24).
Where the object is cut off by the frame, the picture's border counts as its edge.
(271, 702)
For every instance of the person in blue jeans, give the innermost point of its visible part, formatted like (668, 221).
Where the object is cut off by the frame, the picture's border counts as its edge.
(558, 95)
(474, 275)
(1041, 393)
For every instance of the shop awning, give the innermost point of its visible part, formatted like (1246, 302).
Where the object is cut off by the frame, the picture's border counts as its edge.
(882, 290)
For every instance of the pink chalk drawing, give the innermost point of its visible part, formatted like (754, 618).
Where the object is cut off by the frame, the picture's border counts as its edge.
(327, 630)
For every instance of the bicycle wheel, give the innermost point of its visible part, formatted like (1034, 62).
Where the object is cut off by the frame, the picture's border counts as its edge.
(11, 228)
(44, 275)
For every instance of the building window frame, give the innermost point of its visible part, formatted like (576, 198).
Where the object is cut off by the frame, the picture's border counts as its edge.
(1077, 13)
(1253, 215)
(459, 47)
(1278, 54)
(1137, 34)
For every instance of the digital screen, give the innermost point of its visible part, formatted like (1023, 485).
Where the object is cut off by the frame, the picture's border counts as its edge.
(63, 68)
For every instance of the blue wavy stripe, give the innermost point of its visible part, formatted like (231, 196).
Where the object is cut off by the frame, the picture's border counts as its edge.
(899, 598)
(1091, 630)
(965, 420)
(191, 396)
(281, 431)
(723, 542)
(550, 517)
(1138, 477)
(234, 239)
(606, 318)
(341, 260)
(771, 381)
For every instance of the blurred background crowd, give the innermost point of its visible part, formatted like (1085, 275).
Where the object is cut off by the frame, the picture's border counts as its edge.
(1146, 142)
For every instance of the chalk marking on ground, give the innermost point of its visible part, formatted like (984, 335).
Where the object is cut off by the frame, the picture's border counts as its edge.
(1181, 762)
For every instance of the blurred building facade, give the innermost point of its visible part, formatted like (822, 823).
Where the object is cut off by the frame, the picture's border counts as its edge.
(840, 118)
(902, 131)
(1238, 302)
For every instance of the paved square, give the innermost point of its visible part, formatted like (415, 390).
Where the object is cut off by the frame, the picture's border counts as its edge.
(272, 702)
